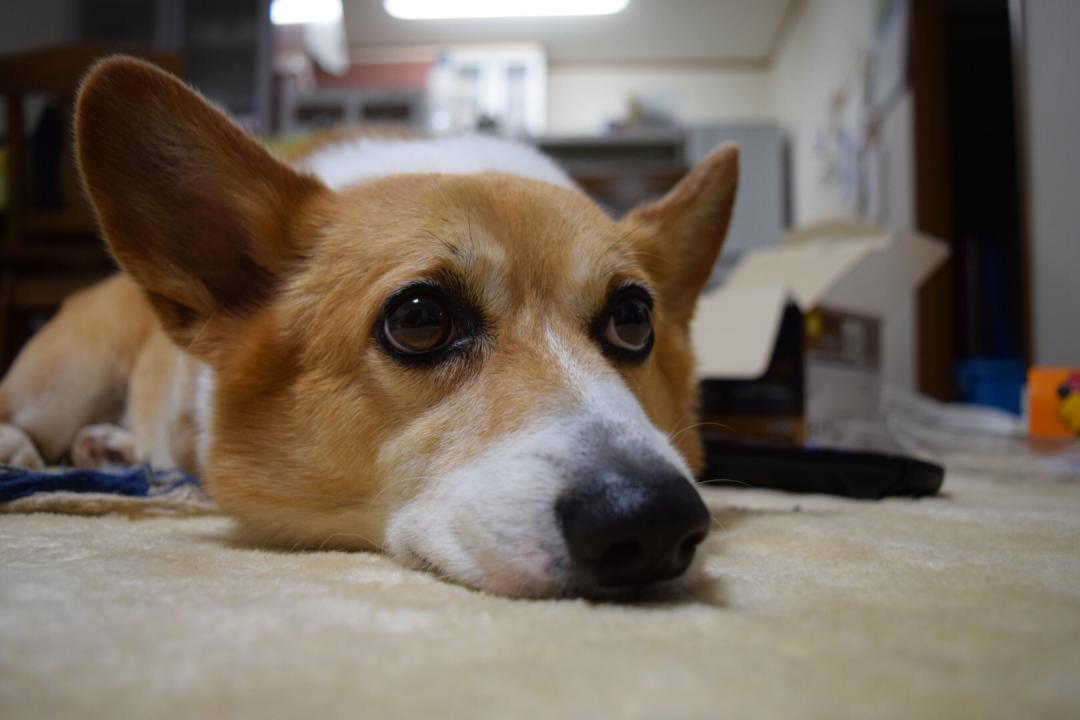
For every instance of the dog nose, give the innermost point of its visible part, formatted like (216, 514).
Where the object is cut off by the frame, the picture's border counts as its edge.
(629, 530)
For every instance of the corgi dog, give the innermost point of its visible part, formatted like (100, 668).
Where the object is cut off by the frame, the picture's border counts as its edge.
(438, 349)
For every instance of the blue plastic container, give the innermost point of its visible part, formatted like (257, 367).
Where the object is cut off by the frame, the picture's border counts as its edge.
(996, 382)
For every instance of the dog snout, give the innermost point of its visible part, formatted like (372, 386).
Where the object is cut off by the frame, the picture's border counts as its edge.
(630, 529)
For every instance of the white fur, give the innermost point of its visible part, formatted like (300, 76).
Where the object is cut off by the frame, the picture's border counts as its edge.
(607, 397)
(492, 524)
(353, 161)
(160, 450)
(103, 445)
(205, 382)
(16, 448)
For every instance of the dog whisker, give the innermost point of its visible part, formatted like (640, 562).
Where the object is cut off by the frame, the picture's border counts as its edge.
(369, 541)
(468, 225)
(624, 237)
(723, 481)
(644, 253)
(454, 249)
(728, 428)
(438, 187)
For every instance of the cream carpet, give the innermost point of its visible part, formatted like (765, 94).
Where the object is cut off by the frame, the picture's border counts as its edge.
(961, 606)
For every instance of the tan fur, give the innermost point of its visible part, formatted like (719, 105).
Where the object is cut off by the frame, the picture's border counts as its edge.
(75, 371)
(277, 284)
(160, 407)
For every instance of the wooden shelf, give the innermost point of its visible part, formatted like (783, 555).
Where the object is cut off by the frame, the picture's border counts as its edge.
(57, 71)
(49, 256)
(60, 223)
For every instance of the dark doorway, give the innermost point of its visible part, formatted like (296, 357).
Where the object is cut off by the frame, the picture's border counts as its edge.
(988, 266)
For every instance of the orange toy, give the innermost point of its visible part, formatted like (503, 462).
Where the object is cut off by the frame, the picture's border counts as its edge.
(1054, 397)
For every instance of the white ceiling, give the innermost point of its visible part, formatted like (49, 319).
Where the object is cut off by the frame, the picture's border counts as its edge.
(647, 31)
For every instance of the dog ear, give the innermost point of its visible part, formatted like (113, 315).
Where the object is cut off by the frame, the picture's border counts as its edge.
(197, 212)
(681, 234)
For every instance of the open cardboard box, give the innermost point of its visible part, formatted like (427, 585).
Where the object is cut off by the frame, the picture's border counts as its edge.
(793, 339)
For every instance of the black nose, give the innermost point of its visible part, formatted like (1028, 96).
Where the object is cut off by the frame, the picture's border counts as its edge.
(627, 529)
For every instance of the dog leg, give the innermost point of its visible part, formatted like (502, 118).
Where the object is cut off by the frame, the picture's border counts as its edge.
(102, 446)
(16, 448)
(75, 371)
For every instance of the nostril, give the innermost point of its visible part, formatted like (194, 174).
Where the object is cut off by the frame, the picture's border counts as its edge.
(688, 546)
(694, 539)
(623, 554)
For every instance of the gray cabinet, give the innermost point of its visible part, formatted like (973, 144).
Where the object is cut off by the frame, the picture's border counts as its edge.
(759, 217)
(760, 214)
(226, 44)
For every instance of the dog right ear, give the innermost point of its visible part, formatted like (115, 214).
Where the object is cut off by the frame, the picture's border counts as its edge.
(201, 215)
(687, 228)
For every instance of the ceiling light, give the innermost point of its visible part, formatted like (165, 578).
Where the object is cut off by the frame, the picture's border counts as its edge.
(298, 12)
(446, 9)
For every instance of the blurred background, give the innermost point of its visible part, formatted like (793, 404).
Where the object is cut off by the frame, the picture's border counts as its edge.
(954, 118)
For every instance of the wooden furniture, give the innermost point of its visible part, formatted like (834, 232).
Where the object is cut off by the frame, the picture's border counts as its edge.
(46, 252)
(322, 108)
(933, 195)
(620, 171)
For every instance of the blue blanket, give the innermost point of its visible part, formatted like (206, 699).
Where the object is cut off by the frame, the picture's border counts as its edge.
(17, 483)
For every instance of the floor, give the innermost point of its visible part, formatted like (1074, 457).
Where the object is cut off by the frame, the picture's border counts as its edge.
(965, 605)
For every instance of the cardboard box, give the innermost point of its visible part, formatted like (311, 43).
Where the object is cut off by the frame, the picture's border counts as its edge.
(793, 338)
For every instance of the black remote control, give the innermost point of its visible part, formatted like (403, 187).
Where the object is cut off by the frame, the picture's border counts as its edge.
(864, 475)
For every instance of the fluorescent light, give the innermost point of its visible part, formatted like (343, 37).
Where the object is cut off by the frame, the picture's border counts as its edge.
(298, 12)
(445, 9)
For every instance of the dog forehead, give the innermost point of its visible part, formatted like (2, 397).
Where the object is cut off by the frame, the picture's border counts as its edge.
(523, 237)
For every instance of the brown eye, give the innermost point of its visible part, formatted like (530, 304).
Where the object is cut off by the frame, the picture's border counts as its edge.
(629, 327)
(418, 324)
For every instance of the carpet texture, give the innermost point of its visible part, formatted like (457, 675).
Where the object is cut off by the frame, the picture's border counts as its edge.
(966, 605)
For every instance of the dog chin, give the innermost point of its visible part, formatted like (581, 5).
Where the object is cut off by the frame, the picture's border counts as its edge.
(528, 572)
(528, 575)
(536, 578)
(525, 571)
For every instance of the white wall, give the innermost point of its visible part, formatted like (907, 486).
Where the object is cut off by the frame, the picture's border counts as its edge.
(820, 52)
(900, 367)
(819, 56)
(1053, 61)
(583, 96)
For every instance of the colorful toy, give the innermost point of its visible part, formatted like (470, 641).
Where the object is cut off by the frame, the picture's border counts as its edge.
(1054, 402)
(1069, 409)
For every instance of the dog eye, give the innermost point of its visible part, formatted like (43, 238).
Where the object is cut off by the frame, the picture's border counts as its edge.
(629, 327)
(418, 324)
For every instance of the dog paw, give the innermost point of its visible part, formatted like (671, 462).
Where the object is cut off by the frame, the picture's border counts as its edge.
(102, 446)
(16, 448)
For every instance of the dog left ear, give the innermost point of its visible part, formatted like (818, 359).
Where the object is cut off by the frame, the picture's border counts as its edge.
(684, 230)
(198, 213)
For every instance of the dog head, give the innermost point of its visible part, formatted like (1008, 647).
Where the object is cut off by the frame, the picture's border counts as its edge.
(484, 375)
